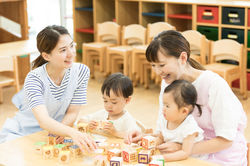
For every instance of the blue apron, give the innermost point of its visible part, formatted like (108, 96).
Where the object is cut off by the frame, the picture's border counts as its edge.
(25, 123)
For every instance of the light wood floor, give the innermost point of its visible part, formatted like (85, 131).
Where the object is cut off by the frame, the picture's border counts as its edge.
(143, 106)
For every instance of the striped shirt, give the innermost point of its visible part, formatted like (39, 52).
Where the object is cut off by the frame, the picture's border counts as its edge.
(34, 87)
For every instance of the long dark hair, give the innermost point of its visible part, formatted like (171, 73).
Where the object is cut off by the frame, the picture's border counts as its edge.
(120, 84)
(47, 40)
(171, 43)
(184, 94)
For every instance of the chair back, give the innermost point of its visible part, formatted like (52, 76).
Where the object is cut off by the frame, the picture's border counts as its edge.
(155, 28)
(133, 34)
(109, 32)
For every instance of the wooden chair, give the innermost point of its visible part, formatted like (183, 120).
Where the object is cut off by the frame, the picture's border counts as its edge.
(227, 49)
(140, 65)
(248, 154)
(199, 46)
(8, 73)
(108, 34)
(133, 34)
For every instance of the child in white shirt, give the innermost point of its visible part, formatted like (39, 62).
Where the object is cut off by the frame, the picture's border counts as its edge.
(117, 90)
(179, 100)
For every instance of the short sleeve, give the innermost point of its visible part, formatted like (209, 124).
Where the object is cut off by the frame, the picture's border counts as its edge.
(191, 127)
(80, 94)
(227, 111)
(160, 115)
(34, 89)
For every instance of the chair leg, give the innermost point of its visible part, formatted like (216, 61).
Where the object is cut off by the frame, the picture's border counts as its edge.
(1, 95)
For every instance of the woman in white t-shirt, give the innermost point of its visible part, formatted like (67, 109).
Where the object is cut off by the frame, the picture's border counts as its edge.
(179, 100)
(223, 119)
(114, 120)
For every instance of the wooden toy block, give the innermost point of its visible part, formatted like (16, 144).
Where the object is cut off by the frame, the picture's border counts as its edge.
(64, 156)
(83, 127)
(113, 153)
(129, 155)
(68, 141)
(144, 156)
(47, 151)
(136, 147)
(104, 146)
(75, 151)
(116, 161)
(156, 163)
(158, 158)
(51, 139)
(39, 146)
(58, 148)
(100, 160)
(148, 142)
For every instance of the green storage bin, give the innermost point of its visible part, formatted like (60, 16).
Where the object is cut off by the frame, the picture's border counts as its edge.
(248, 59)
(211, 33)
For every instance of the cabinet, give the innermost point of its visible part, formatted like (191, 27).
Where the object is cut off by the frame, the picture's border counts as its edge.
(14, 12)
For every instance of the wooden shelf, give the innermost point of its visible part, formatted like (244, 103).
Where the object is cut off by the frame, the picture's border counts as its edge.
(181, 16)
(85, 30)
(208, 24)
(154, 14)
(232, 26)
(248, 70)
(89, 9)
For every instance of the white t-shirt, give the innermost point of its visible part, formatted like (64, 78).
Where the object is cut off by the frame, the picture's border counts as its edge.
(187, 127)
(125, 123)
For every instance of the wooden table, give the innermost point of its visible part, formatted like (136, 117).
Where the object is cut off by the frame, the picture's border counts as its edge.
(21, 152)
(20, 49)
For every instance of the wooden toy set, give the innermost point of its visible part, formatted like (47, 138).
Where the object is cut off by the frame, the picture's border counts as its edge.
(116, 154)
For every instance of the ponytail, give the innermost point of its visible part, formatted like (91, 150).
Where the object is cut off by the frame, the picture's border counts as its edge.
(195, 64)
(199, 108)
(39, 61)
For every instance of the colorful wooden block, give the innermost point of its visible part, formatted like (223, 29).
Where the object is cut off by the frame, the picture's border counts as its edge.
(144, 156)
(158, 158)
(156, 163)
(39, 146)
(64, 156)
(104, 146)
(100, 160)
(75, 151)
(136, 147)
(116, 161)
(83, 127)
(149, 142)
(47, 151)
(68, 141)
(113, 153)
(51, 139)
(58, 148)
(129, 155)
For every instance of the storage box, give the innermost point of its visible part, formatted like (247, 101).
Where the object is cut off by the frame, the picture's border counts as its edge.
(234, 34)
(236, 83)
(211, 33)
(207, 14)
(233, 16)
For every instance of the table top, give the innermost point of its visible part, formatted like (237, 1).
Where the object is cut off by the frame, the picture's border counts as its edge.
(18, 48)
(21, 152)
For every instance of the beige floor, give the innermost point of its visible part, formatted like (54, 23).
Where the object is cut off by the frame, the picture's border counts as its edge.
(143, 106)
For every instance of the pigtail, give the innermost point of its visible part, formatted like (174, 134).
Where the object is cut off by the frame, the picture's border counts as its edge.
(199, 108)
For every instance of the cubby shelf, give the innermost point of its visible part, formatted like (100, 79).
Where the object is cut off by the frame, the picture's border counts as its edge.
(154, 14)
(85, 30)
(181, 16)
(90, 9)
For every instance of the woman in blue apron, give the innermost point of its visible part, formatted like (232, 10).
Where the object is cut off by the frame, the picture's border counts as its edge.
(54, 91)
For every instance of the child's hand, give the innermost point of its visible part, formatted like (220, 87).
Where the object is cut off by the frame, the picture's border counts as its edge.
(109, 128)
(93, 125)
(168, 147)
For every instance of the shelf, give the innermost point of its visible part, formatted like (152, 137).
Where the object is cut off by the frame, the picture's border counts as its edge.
(248, 70)
(232, 26)
(85, 30)
(154, 14)
(181, 16)
(207, 24)
(79, 51)
(89, 9)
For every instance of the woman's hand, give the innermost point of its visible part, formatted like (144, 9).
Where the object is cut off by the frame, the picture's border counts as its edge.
(93, 125)
(169, 147)
(83, 140)
(133, 137)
